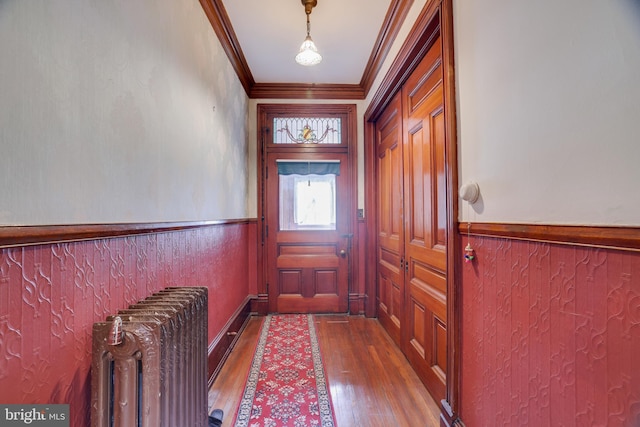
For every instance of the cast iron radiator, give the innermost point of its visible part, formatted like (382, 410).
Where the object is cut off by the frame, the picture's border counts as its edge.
(150, 363)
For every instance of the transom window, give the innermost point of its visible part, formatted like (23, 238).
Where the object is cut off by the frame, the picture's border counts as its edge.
(307, 130)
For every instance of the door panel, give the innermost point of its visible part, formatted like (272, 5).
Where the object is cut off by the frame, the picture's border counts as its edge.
(390, 225)
(424, 339)
(424, 175)
(427, 341)
(290, 282)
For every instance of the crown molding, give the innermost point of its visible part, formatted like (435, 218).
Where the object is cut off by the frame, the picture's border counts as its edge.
(388, 32)
(306, 91)
(217, 14)
(422, 35)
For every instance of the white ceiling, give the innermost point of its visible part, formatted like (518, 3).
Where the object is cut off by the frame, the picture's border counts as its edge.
(270, 33)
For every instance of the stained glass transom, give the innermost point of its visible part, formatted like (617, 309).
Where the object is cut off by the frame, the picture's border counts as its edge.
(307, 130)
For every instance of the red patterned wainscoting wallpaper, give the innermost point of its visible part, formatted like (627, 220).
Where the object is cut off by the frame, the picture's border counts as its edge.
(50, 296)
(550, 335)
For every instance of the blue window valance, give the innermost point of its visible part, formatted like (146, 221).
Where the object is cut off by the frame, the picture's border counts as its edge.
(319, 167)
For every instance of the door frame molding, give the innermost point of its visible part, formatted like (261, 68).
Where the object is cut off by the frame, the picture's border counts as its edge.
(435, 18)
(349, 112)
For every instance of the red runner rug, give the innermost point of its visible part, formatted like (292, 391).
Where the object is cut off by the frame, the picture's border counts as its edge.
(286, 386)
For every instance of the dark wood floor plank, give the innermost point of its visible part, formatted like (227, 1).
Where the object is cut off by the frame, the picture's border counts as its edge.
(370, 380)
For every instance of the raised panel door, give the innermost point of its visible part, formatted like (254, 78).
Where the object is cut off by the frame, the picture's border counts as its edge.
(424, 335)
(307, 265)
(390, 257)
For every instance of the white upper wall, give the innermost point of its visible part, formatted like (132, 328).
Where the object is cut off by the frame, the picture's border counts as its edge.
(548, 104)
(118, 111)
(107, 112)
(549, 110)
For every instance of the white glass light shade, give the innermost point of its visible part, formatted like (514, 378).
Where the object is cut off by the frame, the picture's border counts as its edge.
(308, 54)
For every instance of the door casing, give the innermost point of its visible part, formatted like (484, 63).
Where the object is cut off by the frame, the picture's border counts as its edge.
(264, 147)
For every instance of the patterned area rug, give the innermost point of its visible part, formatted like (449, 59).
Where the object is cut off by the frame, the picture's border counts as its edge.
(286, 385)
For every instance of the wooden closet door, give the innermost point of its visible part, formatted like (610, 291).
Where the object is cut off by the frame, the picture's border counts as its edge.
(424, 339)
(391, 293)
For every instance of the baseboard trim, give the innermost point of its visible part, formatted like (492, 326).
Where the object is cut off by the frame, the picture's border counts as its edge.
(357, 304)
(222, 344)
(260, 304)
(446, 421)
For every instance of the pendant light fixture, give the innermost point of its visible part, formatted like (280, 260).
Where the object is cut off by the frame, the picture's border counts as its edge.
(308, 54)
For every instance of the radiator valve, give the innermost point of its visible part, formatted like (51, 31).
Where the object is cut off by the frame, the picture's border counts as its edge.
(115, 333)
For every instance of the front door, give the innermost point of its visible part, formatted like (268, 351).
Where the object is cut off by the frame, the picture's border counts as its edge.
(308, 234)
(307, 201)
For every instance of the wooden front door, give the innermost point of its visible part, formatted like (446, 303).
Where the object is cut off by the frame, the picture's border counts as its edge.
(309, 208)
(308, 246)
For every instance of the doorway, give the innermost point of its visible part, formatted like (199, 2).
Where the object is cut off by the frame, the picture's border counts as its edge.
(306, 204)
(414, 249)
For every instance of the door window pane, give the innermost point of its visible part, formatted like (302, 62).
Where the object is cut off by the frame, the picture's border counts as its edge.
(308, 202)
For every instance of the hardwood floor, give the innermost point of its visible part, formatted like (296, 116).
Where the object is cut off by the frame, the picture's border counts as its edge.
(370, 380)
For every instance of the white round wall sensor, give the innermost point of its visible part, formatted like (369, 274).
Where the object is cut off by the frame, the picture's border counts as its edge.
(470, 192)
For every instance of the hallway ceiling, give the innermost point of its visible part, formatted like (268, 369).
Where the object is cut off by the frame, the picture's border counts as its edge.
(262, 38)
